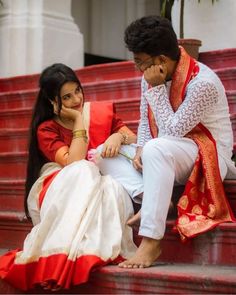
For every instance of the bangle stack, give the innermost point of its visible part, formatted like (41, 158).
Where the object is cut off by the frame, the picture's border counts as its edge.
(80, 133)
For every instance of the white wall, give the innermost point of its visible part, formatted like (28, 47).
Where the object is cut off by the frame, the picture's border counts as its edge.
(37, 33)
(214, 25)
(103, 23)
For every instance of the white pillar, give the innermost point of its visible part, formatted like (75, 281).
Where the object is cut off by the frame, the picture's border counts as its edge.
(37, 33)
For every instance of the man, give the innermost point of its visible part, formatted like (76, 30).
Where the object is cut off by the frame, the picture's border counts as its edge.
(184, 136)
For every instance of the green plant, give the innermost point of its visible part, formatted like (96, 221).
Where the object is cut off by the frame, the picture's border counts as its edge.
(166, 8)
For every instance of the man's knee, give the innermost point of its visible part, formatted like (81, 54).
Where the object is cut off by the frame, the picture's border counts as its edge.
(155, 148)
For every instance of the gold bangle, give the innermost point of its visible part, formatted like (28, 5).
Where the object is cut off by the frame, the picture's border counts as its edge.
(79, 132)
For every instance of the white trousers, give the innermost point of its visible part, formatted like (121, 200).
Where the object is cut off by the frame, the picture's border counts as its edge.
(166, 161)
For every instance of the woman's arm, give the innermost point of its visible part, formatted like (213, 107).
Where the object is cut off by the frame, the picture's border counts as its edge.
(79, 144)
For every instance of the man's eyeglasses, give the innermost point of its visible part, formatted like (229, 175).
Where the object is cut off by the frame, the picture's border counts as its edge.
(139, 65)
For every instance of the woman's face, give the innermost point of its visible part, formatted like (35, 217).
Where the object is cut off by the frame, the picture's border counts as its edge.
(72, 96)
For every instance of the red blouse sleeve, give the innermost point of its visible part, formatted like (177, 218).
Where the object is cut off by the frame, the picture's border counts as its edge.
(49, 140)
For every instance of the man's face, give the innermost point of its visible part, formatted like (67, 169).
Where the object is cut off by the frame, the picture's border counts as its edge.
(143, 61)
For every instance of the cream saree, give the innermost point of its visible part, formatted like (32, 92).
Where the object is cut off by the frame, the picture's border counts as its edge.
(81, 225)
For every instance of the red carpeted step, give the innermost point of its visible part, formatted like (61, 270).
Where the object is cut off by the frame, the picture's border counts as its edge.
(228, 77)
(219, 58)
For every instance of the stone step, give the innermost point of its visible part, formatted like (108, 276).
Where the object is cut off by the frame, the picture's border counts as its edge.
(223, 237)
(113, 89)
(231, 96)
(12, 193)
(127, 108)
(13, 165)
(104, 90)
(13, 161)
(218, 59)
(228, 77)
(13, 229)
(216, 247)
(159, 279)
(16, 139)
(117, 70)
(11, 118)
(93, 73)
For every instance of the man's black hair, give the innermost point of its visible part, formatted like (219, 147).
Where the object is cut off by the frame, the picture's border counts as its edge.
(153, 35)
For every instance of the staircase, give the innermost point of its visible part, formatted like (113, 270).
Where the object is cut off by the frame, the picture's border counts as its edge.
(206, 264)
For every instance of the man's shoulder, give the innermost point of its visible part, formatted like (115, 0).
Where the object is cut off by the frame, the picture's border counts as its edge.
(206, 74)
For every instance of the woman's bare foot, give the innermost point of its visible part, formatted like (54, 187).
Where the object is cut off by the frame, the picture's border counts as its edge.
(135, 219)
(148, 251)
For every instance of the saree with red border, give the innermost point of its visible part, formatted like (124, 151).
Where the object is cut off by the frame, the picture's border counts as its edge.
(79, 221)
(203, 204)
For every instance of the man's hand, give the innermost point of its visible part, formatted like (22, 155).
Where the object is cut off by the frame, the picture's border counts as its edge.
(112, 145)
(156, 74)
(137, 161)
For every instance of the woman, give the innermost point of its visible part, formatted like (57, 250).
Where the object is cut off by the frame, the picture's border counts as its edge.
(79, 216)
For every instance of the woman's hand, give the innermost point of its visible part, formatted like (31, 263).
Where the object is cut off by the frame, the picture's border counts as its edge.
(112, 145)
(69, 114)
(137, 161)
(66, 113)
(156, 74)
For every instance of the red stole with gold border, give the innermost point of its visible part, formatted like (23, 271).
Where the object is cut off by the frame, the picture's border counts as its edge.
(203, 204)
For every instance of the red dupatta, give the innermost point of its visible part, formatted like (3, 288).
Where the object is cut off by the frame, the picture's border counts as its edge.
(203, 204)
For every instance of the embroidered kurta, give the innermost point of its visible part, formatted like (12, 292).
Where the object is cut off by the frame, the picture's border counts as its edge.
(205, 102)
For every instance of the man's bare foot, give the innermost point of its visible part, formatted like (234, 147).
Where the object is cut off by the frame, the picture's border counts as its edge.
(135, 219)
(148, 251)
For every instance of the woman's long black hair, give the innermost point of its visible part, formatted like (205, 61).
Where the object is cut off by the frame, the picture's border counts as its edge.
(50, 83)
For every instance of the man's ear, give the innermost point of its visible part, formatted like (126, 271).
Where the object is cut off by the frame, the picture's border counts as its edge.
(163, 58)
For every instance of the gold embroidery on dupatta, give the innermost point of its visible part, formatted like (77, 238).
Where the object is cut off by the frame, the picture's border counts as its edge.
(183, 202)
(211, 211)
(197, 210)
(183, 220)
